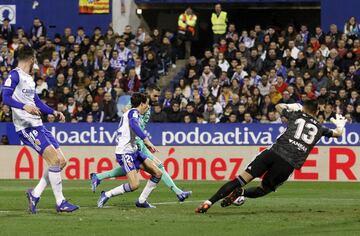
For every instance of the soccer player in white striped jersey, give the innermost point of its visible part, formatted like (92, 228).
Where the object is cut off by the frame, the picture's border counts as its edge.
(19, 94)
(130, 158)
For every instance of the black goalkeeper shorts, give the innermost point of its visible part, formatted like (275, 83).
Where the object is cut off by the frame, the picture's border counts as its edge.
(275, 168)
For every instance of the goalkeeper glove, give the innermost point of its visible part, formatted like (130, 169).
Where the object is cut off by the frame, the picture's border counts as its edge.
(340, 121)
(294, 107)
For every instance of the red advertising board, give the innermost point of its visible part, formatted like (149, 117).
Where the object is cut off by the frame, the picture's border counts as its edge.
(339, 163)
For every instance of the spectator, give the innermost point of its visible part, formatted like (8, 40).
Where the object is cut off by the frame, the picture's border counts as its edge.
(213, 119)
(186, 30)
(150, 74)
(219, 23)
(209, 110)
(158, 115)
(166, 103)
(7, 30)
(5, 114)
(174, 115)
(275, 95)
(352, 28)
(81, 114)
(51, 100)
(109, 108)
(97, 114)
(206, 77)
(190, 111)
(71, 106)
(38, 29)
(224, 118)
(89, 119)
(132, 82)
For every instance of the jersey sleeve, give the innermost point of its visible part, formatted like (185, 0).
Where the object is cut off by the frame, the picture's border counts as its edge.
(134, 123)
(42, 106)
(144, 119)
(327, 132)
(12, 80)
(290, 115)
(9, 86)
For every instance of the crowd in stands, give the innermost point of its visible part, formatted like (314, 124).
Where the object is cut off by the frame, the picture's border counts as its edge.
(246, 73)
(84, 75)
(240, 79)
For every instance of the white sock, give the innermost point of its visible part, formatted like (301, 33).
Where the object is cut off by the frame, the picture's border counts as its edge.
(56, 183)
(150, 186)
(119, 190)
(40, 187)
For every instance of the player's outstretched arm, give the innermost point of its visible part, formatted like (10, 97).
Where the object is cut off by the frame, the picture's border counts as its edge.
(340, 122)
(48, 110)
(135, 126)
(291, 107)
(42, 106)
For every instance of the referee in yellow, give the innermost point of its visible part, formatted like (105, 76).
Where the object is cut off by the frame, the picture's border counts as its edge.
(219, 23)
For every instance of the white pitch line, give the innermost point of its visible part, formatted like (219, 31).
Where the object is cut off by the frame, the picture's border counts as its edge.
(170, 203)
(192, 201)
(110, 207)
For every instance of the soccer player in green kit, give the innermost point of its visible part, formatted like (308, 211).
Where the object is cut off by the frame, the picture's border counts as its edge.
(153, 92)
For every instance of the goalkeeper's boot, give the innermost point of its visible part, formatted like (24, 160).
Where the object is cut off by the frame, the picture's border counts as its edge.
(33, 201)
(102, 200)
(182, 196)
(227, 201)
(144, 205)
(204, 207)
(94, 182)
(66, 206)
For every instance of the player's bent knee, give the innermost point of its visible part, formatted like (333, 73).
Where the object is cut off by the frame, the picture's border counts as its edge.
(158, 173)
(134, 186)
(266, 189)
(63, 163)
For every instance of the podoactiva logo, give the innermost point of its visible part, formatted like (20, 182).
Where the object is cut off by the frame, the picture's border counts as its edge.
(244, 136)
(186, 134)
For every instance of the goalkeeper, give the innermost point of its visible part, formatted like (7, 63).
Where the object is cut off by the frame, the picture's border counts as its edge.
(153, 93)
(278, 161)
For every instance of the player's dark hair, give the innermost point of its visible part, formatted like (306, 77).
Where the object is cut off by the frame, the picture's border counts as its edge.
(152, 87)
(311, 106)
(137, 99)
(25, 53)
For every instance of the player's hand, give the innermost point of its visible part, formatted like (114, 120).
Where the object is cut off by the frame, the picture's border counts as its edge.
(59, 115)
(340, 121)
(150, 146)
(31, 109)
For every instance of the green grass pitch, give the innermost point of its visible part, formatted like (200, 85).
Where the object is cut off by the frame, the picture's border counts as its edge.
(298, 208)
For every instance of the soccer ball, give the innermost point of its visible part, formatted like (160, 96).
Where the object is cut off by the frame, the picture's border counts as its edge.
(239, 201)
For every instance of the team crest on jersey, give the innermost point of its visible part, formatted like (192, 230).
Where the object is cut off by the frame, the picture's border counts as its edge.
(8, 82)
(37, 142)
(135, 115)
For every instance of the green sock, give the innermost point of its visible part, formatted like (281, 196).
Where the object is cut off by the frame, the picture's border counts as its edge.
(116, 172)
(168, 181)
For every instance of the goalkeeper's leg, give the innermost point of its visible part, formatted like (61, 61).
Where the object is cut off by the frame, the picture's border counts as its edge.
(166, 178)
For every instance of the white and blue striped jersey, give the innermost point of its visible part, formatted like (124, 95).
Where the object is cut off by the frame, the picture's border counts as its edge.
(128, 130)
(23, 87)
